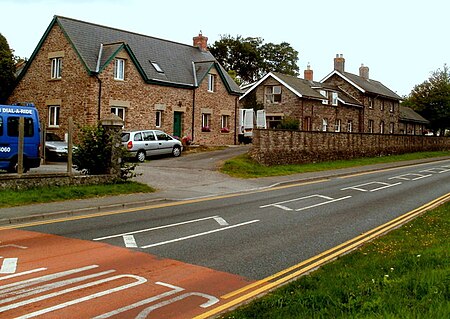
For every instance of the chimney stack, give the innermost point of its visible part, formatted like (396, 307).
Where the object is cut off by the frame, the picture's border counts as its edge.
(364, 71)
(308, 74)
(339, 63)
(201, 42)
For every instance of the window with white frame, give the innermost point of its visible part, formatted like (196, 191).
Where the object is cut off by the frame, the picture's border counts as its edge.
(273, 94)
(370, 126)
(211, 82)
(391, 128)
(391, 108)
(119, 69)
(371, 102)
(324, 125)
(158, 122)
(382, 127)
(350, 126)
(56, 68)
(334, 98)
(206, 122)
(337, 126)
(119, 111)
(53, 115)
(325, 94)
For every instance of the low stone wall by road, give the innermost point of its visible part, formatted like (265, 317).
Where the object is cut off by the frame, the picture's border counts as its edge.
(26, 181)
(275, 147)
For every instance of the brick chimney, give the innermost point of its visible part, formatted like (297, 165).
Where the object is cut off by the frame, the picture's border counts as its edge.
(201, 42)
(308, 74)
(339, 63)
(364, 72)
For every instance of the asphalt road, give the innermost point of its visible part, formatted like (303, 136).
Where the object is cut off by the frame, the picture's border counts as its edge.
(176, 259)
(257, 234)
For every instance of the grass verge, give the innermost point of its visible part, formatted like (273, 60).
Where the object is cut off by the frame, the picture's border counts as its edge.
(405, 274)
(244, 167)
(10, 198)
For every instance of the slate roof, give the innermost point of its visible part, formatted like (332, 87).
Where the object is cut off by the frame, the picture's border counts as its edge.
(409, 115)
(175, 59)
(370, 85)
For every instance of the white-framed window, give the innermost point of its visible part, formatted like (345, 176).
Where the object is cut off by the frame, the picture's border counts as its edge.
(370, 126)
(225, 121)
(53, 115)
(119, 111)
(391, 107)
(206, 122)
(382, 105)
(158, 122)
(337, 126)
(211, 82)
(119, 69)
(325, 94)
(273, 94)
(350, 126)
(56, 68)
(371, 102)
(324, 125)
(382, 127)
(334, 98)
(391, 128)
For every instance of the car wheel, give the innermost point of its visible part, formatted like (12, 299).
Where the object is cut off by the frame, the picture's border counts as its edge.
(140, 156)
(176, 151)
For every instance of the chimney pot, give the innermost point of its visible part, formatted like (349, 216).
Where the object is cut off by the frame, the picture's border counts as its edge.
(308, 73)
(364, 71)
(201, 42)
(339, 63)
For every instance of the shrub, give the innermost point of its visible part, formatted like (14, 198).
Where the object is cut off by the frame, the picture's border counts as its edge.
(289, 123)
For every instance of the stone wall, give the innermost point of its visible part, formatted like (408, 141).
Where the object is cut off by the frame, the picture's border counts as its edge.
(275, 147)
(27, 181)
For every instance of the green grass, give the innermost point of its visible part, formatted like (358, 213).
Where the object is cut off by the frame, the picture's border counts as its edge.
(405, 274)
(244, 167)
(10, 198)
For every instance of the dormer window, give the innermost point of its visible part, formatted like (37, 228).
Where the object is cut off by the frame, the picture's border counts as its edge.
(157, 67)
(119, 69)
(325, 94)
(273, 94)
(334, 98)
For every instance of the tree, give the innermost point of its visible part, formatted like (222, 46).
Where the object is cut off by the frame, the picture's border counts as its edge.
(251, 59)
(7, 69)
(432, 99)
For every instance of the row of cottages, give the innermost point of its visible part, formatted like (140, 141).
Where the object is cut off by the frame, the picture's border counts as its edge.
(341, 102)
(87, 71)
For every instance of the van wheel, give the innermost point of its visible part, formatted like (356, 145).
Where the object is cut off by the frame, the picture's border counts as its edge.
(176, 151)
(140, 156)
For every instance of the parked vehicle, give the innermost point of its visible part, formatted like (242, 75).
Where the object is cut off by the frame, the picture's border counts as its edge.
(247, 123)
(141, 144)
(9, 137)
(55, 147)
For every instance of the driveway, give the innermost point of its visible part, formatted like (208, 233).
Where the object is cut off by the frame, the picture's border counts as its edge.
(192, 175)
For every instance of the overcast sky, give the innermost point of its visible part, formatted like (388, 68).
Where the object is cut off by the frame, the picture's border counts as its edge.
(401, 41)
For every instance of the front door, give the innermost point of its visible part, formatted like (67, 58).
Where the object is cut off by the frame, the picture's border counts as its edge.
(177, 124)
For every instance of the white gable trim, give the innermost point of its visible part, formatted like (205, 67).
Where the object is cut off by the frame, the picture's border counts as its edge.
(344, 77)
(270, 74)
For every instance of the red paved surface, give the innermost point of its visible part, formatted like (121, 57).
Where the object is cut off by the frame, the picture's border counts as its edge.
(158, 288)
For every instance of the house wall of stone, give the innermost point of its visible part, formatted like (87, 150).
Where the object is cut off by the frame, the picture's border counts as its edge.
(77, 94)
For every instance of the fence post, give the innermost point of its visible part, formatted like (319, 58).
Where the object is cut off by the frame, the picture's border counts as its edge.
(20, 145)
(113, 124)
(70, 147)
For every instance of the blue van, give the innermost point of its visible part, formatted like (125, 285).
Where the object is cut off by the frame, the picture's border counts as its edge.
(9, 137)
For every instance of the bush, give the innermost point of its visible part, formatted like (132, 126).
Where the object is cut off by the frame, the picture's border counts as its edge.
(289, 123)
(93, 154)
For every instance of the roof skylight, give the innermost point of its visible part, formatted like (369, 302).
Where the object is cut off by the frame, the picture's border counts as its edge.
(157, 67)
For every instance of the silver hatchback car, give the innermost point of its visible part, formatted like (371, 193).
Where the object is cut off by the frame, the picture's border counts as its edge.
(145, 143)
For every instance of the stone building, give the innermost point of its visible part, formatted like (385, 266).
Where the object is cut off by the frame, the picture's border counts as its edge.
(411, 122)
(86, 71)
(341, 102)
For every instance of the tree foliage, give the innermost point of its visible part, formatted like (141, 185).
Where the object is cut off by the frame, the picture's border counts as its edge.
(250, 58)
(432, 99)
(7, 69)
